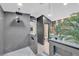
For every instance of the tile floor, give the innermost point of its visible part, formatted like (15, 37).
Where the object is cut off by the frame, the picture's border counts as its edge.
(21, 52)
(43, 48)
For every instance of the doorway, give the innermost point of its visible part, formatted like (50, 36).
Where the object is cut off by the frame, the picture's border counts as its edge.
(46, 44)
(46, 31)
(43, 24)
(45, 47)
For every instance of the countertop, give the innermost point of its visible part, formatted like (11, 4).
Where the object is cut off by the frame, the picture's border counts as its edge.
(63, 42)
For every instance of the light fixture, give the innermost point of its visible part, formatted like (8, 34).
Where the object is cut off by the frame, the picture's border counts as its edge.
(49, 15)
(20, 4)
(17, 19)
(19, 7)
(65, 3)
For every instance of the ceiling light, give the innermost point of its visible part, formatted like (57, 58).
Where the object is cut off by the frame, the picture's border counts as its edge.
(49, 15)
(65, 3)
(20, 4)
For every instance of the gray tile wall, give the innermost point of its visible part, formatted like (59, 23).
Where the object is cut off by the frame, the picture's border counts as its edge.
(33, 43)
(15, 37)
(1, 30)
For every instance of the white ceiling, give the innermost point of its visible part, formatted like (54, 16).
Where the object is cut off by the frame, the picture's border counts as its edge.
(35, 9)
(57, 10)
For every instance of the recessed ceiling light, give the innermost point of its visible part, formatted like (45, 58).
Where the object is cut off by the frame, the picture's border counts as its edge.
(49, 15)
(20, 4)
(65, 3)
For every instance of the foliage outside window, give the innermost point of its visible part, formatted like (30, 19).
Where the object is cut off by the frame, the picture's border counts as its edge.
(68, 30)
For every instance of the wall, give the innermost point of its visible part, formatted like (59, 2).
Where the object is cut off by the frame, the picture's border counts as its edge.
(53, 27)
(46, 31)
(40, 30)
(1, 30)
(16, 37)
(33, 24)
(33, 34)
